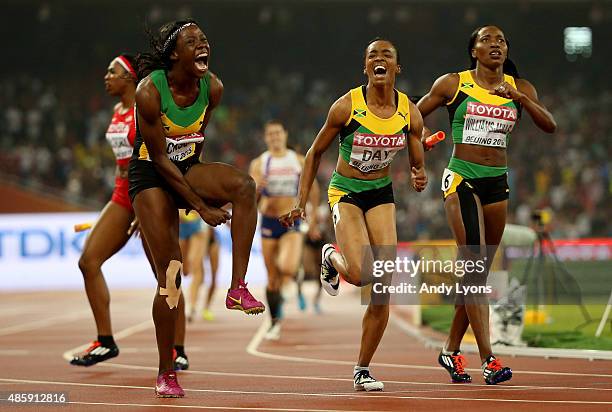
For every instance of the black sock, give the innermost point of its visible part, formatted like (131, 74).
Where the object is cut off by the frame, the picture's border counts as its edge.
(180, 351)
(107, 341)
(275, 300)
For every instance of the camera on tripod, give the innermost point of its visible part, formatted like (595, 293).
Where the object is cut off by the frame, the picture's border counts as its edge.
(541, 219)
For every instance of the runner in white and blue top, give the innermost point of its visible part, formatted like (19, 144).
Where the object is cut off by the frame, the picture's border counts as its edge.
(277, 175)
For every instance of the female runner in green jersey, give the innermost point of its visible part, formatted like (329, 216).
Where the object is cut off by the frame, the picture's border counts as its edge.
(174, 102)
(373, 122)
(484, 103)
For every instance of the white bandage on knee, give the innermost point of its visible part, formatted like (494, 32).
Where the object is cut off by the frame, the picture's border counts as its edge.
(173, 294)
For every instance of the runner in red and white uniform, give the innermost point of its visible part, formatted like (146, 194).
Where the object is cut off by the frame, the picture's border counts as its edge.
(113, 227)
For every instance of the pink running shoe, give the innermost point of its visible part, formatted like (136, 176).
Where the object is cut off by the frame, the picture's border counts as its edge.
(167, 386)
(241, 299)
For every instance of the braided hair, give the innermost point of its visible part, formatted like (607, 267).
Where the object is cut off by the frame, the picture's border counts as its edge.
(162, 45)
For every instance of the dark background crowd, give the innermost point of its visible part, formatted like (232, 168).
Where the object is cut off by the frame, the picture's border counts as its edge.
(290, 60)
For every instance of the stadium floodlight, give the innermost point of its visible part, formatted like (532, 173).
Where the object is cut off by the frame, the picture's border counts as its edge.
(577, 41)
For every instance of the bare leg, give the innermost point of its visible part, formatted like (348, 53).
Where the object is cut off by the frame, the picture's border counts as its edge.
(269, 249)
(181, 323)
(156, 209)
(380, 223)
(290, 254)
(312, 260)
(107, 237)
(492, 220)
(461, 318)
(194, 259)
(352, 238)
(219, 184)
(213, 256)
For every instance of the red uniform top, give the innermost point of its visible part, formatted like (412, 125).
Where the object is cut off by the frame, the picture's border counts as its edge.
(121, 134)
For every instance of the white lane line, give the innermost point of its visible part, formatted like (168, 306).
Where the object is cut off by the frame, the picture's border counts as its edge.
(43, 323)
(223, 408)
(252, 349)
(545, 353)
(14, 352)
(414, 332)
(253, 346)
(19, 310)
(321, 395)
(139, 327)
(334, 346)
(321, 378)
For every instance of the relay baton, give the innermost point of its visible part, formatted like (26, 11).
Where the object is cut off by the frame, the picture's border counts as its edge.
(82, 226)
(434, 139)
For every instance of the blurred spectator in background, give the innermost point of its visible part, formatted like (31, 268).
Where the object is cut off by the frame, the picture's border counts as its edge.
(55, 113)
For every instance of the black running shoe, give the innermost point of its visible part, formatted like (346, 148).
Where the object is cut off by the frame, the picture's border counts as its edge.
(454, 364)
(181, 363)
(494, 372)
(94, 354)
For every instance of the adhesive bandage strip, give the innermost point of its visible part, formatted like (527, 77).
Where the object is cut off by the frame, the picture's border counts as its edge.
(171, 291)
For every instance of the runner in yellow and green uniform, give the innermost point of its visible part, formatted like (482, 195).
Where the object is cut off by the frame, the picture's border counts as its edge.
(374, 122)
(484, 104)
(174, 102)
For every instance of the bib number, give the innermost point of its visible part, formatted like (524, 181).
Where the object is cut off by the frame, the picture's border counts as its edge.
(447, 179)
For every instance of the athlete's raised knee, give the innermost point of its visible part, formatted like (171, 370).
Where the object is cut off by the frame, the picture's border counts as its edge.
(243, 186)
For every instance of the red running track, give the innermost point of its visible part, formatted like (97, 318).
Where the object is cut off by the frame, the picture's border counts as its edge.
(232, 369)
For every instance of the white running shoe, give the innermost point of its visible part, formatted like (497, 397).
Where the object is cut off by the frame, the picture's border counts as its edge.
(329, 275)
(274, 332)
(363, 381)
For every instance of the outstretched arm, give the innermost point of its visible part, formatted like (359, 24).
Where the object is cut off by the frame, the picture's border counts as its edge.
(312, 206)
(338, 115)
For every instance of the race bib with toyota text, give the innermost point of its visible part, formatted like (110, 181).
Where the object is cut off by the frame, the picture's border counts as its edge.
(488, 125)
(374, 152)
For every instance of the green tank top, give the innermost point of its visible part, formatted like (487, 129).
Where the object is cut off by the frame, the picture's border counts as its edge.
(480, 118)
(181, 125)
(368, 142)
